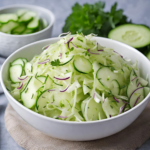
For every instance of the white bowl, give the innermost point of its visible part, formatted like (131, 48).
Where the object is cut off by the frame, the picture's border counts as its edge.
(10, 43)
(77, 131)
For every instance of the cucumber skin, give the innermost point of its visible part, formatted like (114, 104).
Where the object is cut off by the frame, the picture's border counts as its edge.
(23, 91)
(22, 60)
(109, 34)
(9, 73)
(81, 71)
(66, 62)
(36, 106)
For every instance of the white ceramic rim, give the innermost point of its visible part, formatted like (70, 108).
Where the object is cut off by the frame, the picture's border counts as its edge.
(30, 6)
(61, 121)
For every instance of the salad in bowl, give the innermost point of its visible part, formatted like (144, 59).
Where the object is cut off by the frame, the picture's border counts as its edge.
(77, 79)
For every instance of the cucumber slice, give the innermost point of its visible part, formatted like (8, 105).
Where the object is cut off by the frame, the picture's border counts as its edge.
(66, 60)
(25, 60)
(29, 94)
(28, 31)
(7, 28)
(134, 35)
(105, 76)
(43, 99)
(28, 68)
(115, 88)
(131, 87)
(142, 81)
(133, 83)
(42, 79)
(5, 18)
(28, 16)
(34, 23)
(48, 98)
(146, 91)
(82, 65)
(110, 107)
(15, 71)
(18, 61)
(19, 29)
(48, 83)
(137, 94)
(133, 75)
(91, 110)
(21, 12)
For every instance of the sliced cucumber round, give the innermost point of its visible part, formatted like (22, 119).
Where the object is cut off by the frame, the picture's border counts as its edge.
(43, 99)
(34, 23)
(28, 16)
(115, 87)
(105, 76)
(137, 94)
(21, 12)
(82, 65)
(92, 110)
(15, 71)
(134, 35)
(8, 27)
(19, 29)
(28, 68)
(29, 94)
(133, 75)
(5, 18)
(18, 61)
(110, 107)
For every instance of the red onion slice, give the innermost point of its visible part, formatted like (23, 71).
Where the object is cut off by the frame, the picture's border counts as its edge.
(118, 54)
(133, 79)
(51, 90)
(24, 78)
(62, 117)
(100, 50)
(60, 55)
(65, 89)
(46, 47)
(20, 86)
(121, 109)
(124, 102)
(116, 99)
(74, 45)
(69, 40)
(61, 78)
(44, 62)
(135, 91)
(137, 100)
(138, 84)
(92, 52)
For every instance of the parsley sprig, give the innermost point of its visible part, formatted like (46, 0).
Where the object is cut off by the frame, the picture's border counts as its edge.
(91, 18)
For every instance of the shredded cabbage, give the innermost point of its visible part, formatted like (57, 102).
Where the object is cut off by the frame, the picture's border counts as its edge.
(84, 98)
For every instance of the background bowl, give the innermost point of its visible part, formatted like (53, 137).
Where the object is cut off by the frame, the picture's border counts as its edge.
(77, 131)
(10, 43)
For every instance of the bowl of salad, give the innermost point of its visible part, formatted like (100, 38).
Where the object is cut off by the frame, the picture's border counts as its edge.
(77, 87)
(23, 24)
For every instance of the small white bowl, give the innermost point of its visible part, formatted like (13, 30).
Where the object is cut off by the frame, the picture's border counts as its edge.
(77, 131)
(10, 43)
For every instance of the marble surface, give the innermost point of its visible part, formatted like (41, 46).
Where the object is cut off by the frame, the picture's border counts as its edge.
(137, 10)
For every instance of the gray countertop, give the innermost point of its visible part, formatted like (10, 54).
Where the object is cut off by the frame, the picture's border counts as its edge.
(137, 10)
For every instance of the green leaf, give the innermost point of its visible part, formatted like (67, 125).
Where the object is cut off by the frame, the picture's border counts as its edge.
(91, 18)
(56, 62)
